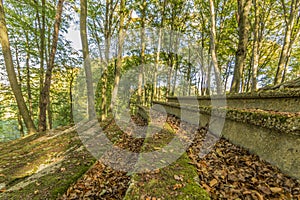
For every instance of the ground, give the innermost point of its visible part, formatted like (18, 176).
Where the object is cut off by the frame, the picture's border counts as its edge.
(55, 165)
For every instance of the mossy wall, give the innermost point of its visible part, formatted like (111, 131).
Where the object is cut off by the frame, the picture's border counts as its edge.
(277, 146)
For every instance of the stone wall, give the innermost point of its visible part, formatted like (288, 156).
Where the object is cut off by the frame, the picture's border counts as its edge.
(288, 101)
(279, 145)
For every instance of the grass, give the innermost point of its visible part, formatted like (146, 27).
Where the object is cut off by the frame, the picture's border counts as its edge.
(40, 166)
(178, 180)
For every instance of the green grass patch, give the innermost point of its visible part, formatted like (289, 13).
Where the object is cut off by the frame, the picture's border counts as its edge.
(178, 180)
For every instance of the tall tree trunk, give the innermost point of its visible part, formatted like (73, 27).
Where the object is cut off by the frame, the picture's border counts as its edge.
(87, 61)
(107, 36)
(20, 127)
(44, 102)
(143, 47)
(243, 14)
(12, 74)
(71, 96)
(288, 38)
(158, 51)
(217, 70)
(120, 51)
(28, 78)
(255, 50)
(41, 43)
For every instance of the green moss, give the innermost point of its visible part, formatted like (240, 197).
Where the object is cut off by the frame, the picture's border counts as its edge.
(178, 180)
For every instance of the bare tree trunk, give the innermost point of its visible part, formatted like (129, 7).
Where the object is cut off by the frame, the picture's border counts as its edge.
(107, 36)
(41, 43)
(290, 26)
(87, 61)
(44, 102)
(71, 96)
(20, 127)
(143, 47)
(29, 95)
(213, 47)
(12, 74)
(120, 51)
(49, 112)
(158, 51)
(255, 51)
(243, 13)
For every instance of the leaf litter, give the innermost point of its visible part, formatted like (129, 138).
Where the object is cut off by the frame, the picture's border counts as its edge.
(226, 172)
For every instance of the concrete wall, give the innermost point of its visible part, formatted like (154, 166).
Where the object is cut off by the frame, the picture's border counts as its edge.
(279, 148)
(276, 101)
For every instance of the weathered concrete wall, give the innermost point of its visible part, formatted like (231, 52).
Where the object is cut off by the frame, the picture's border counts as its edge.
(276, 101)
(280, 148)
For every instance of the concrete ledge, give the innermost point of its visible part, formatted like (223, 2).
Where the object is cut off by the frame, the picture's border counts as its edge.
(276, 101)
(279, 148)
(283, 123)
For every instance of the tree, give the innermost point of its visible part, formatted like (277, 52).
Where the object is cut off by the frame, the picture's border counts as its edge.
(256, 45)
(44, 98)
(12, 74)
(120, 51)
(243, 24)
(291, 21)
(213, 46)
(87, 62)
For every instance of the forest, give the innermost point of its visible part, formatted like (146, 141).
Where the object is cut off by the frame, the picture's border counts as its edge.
(149, 99)
(247, 44)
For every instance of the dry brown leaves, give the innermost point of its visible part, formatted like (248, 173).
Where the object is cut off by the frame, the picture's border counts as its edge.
(231, 172)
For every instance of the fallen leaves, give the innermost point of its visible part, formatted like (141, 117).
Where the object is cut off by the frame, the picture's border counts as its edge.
(178, 177)
(227, 172)
(213, 182)
(230, 172)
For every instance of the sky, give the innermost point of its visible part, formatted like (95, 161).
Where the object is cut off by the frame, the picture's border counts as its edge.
(74, 36)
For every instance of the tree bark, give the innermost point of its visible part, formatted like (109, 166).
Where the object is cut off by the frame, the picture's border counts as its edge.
(29, 94)
(20, 122)
(255, 50)
(154, 96)
(288, 39)
(120, 51)
(44, 102)
(87, 62)
(143, 47)
(213, 47)
(12, 74)
(243, 12)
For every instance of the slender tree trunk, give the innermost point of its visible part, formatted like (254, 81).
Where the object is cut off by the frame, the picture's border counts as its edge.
(12, 74)
(158, 50)
(287, 43)
(243, 14)
(120, 51)
(28, 79)
(255, 51)
(87, 61)
(217, 70)
(44, 102)
(49, 111)
(107, 36)
(20, 127)
(175, 76)
(71, 96)
(41, 43)
(227, 74)
(143, 47)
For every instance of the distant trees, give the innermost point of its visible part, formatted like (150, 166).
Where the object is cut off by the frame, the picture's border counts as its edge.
(248, 44)
(11, 73)
(291, 14)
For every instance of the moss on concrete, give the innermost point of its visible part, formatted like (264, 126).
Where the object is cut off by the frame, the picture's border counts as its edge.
(178, 180)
